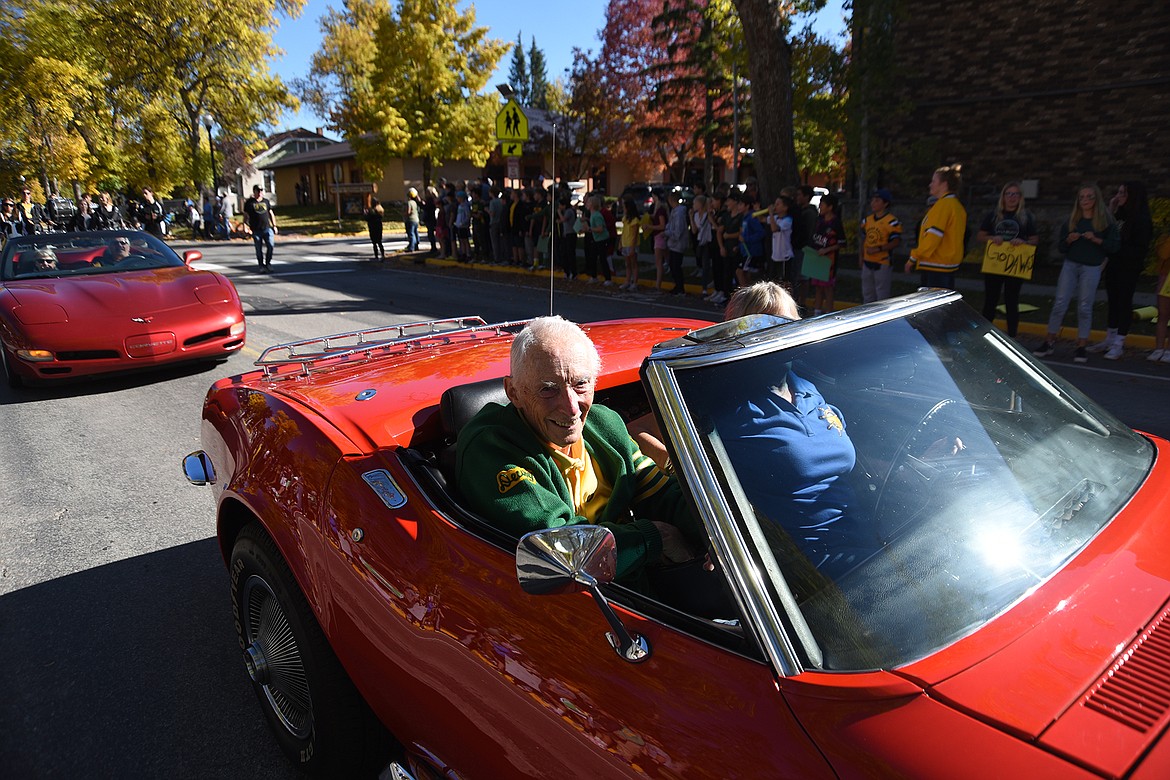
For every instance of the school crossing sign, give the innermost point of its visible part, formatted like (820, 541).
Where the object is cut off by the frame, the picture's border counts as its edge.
(511, 125)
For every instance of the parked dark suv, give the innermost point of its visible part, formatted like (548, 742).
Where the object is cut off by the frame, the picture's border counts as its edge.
(643, 194)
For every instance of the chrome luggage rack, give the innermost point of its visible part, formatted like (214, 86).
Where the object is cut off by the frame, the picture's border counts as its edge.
(329, 351)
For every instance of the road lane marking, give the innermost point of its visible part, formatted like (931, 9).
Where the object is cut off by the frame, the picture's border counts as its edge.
(1116, 372)
(286, 274)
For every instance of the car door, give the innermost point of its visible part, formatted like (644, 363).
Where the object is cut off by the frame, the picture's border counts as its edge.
(479, 679)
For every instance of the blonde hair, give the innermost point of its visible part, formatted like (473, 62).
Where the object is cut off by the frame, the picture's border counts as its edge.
(761, 298)
(951, 175)
(1021, 211)
(1102, 219)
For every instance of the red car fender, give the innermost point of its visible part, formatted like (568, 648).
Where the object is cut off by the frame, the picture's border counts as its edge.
(280, 482)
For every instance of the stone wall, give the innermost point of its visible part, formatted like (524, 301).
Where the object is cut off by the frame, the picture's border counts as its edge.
(1060, 91)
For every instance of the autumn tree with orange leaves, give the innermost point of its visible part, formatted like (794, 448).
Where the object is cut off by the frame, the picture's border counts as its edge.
(657, 93)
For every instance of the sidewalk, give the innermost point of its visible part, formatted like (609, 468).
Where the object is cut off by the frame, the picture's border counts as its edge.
(1033, 323)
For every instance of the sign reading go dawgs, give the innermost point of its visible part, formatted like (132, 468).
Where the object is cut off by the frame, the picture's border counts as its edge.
(1009, 260)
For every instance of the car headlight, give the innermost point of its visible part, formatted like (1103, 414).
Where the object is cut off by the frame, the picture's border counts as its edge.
(40, 314)
(237, 328)
(211, 294)
(34, 355)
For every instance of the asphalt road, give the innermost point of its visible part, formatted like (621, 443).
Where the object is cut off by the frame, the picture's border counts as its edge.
(118, 657)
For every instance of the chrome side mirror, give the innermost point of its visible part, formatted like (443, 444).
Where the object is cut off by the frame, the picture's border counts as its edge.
(572, 558)
(198, 469)
(191, 255)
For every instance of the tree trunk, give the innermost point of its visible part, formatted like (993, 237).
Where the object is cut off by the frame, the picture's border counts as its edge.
(765, 31)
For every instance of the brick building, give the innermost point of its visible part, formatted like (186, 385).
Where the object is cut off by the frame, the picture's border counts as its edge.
(1054, 91)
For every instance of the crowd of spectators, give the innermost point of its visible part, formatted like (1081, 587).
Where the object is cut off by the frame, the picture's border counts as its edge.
(797, 240)
(111, 211)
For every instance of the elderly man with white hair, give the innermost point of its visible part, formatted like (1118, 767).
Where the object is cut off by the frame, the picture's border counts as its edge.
(552, 457)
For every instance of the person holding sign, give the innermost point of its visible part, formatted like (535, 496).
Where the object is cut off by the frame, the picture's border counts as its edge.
(1009, 223)
(1088, 238)
(941, 236)
(827, 239)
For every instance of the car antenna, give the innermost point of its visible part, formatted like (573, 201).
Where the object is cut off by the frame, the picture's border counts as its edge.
(552, 224)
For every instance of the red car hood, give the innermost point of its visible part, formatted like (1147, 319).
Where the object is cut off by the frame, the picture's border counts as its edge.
(119, 295)
(1083, 664)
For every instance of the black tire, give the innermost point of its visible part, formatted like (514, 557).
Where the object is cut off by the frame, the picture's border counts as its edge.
(316, 714)
(13, 379)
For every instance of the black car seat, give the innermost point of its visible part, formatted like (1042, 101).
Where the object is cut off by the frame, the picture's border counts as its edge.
(456, 408)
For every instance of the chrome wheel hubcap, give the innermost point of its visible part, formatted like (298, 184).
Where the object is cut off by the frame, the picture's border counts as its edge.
(273, 658)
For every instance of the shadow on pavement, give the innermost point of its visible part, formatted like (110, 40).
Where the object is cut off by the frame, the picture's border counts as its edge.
(130, 670)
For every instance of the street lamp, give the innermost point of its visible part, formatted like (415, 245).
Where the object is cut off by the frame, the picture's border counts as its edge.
(505, 90)
(211, 147)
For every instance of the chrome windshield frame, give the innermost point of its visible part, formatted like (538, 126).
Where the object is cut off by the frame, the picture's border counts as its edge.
(763, 596)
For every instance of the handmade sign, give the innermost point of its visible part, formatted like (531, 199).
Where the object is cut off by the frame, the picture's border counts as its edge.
(815, 265)
(1008, 260)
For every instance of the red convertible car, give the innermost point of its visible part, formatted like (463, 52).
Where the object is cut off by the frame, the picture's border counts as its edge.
(1001, 612)
(77, 304)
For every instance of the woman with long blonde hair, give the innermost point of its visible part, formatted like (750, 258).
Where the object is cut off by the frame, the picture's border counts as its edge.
(1008, 223)
(1088, 238)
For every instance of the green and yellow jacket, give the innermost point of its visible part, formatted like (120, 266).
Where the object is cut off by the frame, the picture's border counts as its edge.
(508, 475)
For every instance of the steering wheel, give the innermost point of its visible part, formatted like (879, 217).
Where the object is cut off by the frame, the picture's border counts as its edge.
(910, 444)
(133, 261)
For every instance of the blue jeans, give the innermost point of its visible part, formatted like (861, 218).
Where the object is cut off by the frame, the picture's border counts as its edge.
(1081, 279)
(411, 236)
(265, 242)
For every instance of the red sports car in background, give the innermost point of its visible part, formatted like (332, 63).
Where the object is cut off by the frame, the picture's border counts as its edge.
(1001, 613)
(76, 304)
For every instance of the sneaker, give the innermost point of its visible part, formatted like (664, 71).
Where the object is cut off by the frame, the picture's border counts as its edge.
(1165, 357)
(607, 283)
(591, 280)
(1046, 349)
(719, 299)
(1100, 346)
(1156, 355)
(1116, 351)
(1081, 355)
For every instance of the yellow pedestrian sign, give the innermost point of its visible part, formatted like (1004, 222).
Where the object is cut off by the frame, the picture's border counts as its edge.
(512, 148)
(511, 124)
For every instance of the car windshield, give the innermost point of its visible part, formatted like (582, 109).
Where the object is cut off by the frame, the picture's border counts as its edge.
(75, 254)
(909, 480)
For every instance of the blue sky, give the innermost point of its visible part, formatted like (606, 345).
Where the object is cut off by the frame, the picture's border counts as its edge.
(558, 28)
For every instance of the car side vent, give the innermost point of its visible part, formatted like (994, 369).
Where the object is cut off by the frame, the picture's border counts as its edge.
(1136, 689)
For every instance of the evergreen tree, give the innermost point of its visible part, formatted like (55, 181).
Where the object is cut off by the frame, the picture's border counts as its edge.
(518, 73)
(538, 80)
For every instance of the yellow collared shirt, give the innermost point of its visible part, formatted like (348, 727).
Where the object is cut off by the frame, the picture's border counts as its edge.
(588, 487)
